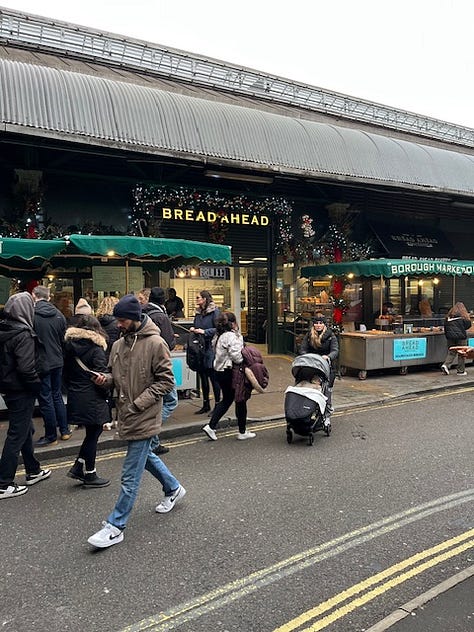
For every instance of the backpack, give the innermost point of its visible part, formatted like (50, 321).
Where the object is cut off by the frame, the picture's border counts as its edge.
(255, 370)
(195, 351)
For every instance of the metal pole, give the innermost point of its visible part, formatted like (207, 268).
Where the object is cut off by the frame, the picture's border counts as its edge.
(454, 290)
(127, 280)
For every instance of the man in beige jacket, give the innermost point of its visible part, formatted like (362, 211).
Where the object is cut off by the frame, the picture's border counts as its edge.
(141, 372)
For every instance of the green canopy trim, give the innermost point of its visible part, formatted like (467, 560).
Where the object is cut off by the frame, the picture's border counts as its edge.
(181, 250)
(30, 249)
(391, 268)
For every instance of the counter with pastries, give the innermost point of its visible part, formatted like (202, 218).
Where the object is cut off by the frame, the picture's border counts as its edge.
(376, 349)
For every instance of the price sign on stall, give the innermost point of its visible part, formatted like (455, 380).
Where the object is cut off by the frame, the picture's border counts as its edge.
(409, 348)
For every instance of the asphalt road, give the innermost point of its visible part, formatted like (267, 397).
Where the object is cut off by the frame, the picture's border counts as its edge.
(269, 537)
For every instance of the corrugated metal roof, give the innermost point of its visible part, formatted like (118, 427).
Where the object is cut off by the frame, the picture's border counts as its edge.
(75, 105)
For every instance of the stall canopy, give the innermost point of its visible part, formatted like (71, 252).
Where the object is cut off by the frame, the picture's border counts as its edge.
(391, 268)
(173, 252)
(27, 255)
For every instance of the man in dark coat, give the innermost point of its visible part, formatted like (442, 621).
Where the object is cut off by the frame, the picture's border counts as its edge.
(155, 309)
(20, 385)
(50, 327)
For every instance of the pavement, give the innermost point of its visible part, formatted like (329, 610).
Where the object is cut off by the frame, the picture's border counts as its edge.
(425, 612)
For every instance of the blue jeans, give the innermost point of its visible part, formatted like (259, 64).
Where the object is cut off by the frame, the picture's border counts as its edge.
(139, 458)
(170, 402)
(51, 404)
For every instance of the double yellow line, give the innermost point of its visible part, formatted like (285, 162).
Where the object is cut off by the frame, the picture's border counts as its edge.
(383, 581)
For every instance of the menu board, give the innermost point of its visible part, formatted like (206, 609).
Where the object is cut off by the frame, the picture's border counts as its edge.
(113, 279)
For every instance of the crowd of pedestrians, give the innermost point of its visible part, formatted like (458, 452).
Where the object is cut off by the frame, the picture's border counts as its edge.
(119, 359)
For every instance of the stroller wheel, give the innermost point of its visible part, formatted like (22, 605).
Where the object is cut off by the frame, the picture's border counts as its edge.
(327, 430)
(310, 438)
(289, 436)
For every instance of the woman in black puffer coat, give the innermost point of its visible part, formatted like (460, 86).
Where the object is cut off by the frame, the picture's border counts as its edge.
(323, 342)
(87, 405)
(456, 323)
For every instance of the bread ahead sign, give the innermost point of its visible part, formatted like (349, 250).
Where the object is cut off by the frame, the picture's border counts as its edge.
(209, 217)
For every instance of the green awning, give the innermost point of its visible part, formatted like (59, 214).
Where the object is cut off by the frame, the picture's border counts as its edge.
(30, 249)
(27, 256)
(169, 252)
(391, 268)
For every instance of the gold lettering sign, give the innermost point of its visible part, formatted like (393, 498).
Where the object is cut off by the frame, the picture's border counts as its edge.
(189, 215)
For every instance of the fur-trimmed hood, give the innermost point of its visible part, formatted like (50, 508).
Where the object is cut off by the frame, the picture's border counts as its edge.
(76, 334)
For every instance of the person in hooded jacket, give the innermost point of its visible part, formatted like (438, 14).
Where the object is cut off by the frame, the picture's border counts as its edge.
(87, 404)
(20, 385)
(204, 323)
(456, 323)
(141, 371)
(50, 327)
(322, 341)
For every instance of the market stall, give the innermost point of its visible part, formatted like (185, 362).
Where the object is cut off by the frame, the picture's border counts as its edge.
(407, 340)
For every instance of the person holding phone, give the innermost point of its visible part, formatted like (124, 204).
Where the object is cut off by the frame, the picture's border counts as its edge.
(87, 404)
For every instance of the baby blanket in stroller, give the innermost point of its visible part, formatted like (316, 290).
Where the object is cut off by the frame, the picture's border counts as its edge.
(297, 408)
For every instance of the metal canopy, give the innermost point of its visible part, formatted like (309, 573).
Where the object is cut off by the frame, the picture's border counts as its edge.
(72, 106)
(389, 268)
(44, 34)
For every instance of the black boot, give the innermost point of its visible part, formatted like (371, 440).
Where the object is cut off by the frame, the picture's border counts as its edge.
(77, 471)
(206, 407)
(92, 480)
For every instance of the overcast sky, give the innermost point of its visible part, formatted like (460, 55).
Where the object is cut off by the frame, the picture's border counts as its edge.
(416, 55)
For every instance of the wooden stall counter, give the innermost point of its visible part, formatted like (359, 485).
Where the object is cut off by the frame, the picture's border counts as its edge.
(377, 349)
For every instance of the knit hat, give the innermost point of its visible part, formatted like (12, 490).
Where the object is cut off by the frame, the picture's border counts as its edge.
(128, 307)
(319, 318)
(157, 295)
(83, 307)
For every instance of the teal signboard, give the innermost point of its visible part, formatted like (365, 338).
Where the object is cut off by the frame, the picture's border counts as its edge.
(409, 348)
(177, 364)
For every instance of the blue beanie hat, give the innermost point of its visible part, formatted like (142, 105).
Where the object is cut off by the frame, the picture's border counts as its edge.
(128, 307)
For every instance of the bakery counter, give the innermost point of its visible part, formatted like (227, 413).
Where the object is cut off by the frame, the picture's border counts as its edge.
(375, 349)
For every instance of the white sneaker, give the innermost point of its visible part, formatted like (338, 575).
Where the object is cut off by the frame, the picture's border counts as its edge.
(246, 435)
(210, 432)
(445, 369)
(463, 373)
(32, 479)
(107, 536)
(169, 502)
(13, 490)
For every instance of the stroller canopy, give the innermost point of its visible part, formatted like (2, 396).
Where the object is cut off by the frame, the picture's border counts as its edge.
(314, 361)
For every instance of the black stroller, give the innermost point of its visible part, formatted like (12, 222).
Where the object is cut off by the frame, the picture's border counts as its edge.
(305, 402)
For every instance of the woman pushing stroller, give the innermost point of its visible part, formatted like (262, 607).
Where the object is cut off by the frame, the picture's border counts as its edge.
(323, 342)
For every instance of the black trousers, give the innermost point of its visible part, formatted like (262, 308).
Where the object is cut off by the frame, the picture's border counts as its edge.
(19, 438)
(88, 450)
(228, 396)
(206, 376)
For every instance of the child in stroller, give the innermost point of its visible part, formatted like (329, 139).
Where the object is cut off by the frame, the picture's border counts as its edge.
(305, 402)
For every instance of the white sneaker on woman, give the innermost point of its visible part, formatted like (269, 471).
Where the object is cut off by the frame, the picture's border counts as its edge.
(246, 435)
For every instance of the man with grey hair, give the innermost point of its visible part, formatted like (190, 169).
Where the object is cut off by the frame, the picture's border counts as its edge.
(50, 327)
